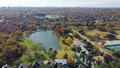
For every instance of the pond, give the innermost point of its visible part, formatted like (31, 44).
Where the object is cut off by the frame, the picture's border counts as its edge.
(46, 40)
(116, 47)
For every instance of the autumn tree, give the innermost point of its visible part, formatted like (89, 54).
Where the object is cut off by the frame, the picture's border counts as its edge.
(10, 41)
(12, 52)
(68, 40)
(1, 49)
(65, 56)
(110, 36)
(75, 34)
(70, 62)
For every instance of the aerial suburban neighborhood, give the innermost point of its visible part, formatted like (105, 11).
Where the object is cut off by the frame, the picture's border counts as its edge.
(59, 37)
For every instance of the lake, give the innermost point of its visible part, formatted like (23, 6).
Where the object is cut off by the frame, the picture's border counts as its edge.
(116, 47)
(46, 40)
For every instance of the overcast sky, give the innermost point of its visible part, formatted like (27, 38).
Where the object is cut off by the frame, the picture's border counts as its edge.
(61, 3)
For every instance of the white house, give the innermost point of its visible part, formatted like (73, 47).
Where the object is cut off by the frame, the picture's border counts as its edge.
(62, 61)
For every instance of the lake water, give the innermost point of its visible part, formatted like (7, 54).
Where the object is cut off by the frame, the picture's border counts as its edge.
(116, 47)
(46, 40)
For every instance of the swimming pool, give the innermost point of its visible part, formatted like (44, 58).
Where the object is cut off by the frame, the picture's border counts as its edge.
(116, 47)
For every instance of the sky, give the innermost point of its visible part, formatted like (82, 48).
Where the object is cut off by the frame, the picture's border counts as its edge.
(60, 3)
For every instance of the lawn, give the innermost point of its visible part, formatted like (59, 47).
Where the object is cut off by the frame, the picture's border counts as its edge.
(93, 32)
(30, 52)
(62, 52)
(29, 43)
(118, 31)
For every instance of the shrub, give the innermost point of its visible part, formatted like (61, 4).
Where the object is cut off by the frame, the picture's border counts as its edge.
(117, 54)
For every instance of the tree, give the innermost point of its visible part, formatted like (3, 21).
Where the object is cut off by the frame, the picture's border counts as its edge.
(55, 52)
(4, 36)
(89, 44)
(96, 49)
(117, 54)
(70, 62)
(52, 54)
(16, 63)
(68, 40)
(10, 41)
(103, 43)
(112, 64)
(1, 49)
(113, 32)
(50, 49)
(75, 34)
(62, 40)
(110, 36)
(65, 56)
(101, 28)
(35, 48)
(107, 58)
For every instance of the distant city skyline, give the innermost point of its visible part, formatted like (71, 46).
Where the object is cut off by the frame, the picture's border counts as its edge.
(60, 3)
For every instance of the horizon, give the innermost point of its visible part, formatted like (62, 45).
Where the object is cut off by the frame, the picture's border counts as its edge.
(51, 7)
(60, 3)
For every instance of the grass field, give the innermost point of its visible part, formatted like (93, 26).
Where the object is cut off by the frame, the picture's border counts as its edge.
(29, 43)
(93, 32)
(30, 52)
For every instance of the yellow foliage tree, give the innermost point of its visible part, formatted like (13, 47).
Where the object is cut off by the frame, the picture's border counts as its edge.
(68, 40)
(3, 35)
(1, 48)
(9, 41)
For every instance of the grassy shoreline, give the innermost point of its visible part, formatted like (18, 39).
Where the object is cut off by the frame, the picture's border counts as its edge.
(30, 52)
(29, 43)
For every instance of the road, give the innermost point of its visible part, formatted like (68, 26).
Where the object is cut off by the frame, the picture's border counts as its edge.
(102, 49)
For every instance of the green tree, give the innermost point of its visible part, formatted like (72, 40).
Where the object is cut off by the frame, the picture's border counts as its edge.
(110, 36)
(117, 54)
(35, 48)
